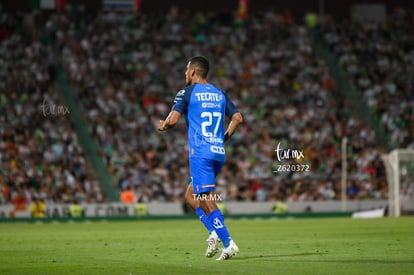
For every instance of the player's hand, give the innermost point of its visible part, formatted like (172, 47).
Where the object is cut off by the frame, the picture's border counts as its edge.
(161, 125)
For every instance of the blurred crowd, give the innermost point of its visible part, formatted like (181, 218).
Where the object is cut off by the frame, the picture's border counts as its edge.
(40, 154)
(124, 71)
(379, 60)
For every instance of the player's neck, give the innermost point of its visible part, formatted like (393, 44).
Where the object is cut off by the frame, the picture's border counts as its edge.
(200, 81)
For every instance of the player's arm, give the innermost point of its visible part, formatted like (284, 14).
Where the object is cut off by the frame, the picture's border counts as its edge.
(236, 120)
(170, 121)
(179, 108)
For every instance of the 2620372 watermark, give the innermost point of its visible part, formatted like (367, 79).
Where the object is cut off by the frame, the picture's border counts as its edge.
(292, 168)
(290, 155)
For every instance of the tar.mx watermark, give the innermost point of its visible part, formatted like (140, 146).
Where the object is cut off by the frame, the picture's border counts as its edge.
(208, 197)
(51, 109)
(290, 155)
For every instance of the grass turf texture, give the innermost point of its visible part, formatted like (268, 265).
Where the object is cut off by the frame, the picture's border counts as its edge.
(283, 246)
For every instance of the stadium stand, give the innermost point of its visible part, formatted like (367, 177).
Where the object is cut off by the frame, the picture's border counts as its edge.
(379, 60)
(125, 70)
(263, 58)
(40, 155)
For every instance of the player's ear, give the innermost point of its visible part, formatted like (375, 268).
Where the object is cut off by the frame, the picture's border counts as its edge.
(193, 73)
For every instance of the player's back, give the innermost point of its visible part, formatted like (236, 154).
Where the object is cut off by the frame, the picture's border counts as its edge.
(205, 118)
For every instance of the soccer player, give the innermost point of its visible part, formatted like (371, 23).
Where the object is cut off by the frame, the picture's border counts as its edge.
(205, 107)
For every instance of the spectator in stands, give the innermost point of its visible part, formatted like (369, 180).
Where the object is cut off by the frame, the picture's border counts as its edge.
(37, 208)
(75, 210)
(128, 196)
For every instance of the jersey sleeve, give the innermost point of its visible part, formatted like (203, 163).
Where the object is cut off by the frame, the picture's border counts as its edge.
(181, 100)
(230, 107)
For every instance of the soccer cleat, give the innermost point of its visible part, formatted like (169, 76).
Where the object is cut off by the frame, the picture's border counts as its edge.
(230, 251)
(213, 244)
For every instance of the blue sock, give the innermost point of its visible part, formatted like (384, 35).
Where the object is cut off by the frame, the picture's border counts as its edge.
(217, 220)
(203, 218)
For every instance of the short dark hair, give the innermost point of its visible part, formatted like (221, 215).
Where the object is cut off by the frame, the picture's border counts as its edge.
(201, 65)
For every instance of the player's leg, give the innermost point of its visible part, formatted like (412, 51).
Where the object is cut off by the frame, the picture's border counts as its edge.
(195, 205)
(215, 216)
(213, 240)
(205, 185)
(211, 169)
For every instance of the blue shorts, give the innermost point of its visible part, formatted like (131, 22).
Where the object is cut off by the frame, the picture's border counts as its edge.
(203, 174)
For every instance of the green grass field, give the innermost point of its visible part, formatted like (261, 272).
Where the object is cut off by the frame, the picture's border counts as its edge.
(282, 246)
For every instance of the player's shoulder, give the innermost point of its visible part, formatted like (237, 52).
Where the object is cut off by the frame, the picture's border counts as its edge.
(186, 90)
(223, 92)
(216, 89)
(184, 94)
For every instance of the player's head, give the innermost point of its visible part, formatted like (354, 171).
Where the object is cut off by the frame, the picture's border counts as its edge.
(197, 69)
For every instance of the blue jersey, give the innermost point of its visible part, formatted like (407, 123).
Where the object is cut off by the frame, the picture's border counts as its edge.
(205, 107)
